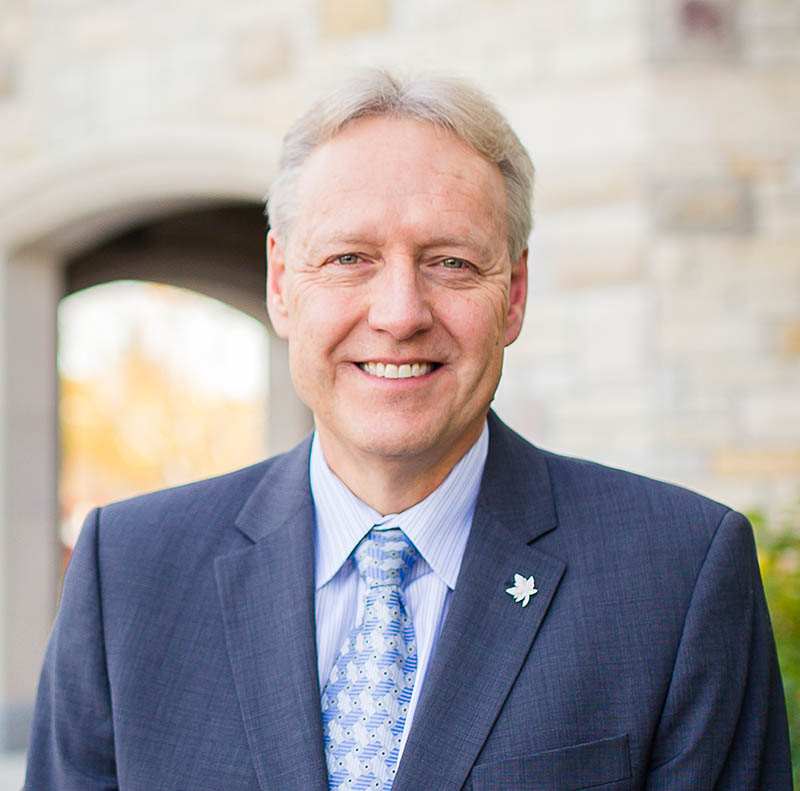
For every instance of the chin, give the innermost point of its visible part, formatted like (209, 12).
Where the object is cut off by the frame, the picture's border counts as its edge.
(399, 447)
(404, 439)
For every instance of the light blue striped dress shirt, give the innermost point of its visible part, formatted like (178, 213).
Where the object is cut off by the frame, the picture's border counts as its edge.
(438, 526)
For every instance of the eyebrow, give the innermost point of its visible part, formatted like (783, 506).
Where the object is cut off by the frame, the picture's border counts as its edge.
(462, 240)
(355, 239)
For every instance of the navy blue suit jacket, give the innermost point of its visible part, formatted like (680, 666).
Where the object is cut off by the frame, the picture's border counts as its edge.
(183, 655)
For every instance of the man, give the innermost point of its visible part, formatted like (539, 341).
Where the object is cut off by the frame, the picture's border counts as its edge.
(416, 598)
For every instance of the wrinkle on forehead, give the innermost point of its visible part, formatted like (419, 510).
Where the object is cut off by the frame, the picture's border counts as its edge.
(381, 174)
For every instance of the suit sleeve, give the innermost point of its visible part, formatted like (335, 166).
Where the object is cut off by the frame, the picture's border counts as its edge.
(723, 725)
(72, 740)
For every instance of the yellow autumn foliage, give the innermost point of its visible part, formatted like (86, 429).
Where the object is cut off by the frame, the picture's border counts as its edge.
(140, 426)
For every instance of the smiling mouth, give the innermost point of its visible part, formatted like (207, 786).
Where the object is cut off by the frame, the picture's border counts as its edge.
(392, 371)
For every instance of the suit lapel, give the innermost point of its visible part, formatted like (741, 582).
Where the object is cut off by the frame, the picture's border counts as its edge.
(487, 635)
(267, 597)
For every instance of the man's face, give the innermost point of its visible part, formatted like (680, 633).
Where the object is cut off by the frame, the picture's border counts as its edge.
(396, 291)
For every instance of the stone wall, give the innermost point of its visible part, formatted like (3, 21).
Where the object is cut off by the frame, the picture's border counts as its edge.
(664, 323)
(724, 253)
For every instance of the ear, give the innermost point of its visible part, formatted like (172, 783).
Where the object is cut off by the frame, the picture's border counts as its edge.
(517, 296)
(276, 285)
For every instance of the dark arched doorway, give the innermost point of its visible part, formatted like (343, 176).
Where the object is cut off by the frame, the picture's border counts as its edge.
(217, 251)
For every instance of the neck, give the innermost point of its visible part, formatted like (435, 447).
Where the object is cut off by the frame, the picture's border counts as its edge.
(391, 484)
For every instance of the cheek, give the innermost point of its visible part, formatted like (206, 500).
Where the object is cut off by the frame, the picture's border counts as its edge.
(320, 319)
(477, 322)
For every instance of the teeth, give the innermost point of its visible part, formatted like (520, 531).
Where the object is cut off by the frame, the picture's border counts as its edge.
(392, 371)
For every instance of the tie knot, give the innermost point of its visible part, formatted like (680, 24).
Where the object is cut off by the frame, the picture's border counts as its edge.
(384, 557)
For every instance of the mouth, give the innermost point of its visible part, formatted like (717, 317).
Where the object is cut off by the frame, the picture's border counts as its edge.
(394, 371)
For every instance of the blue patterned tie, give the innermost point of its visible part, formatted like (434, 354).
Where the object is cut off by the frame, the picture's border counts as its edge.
(365, 702)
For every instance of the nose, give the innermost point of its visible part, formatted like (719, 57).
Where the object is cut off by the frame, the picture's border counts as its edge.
(399, 304)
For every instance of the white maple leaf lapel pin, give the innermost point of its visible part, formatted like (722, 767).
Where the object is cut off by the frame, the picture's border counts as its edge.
(522, 590)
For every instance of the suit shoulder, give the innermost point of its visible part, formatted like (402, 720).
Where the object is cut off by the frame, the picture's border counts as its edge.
(595, 496)
(591, 478)
(630, 513)
(209, 493)
(201, 510)
(582, 480)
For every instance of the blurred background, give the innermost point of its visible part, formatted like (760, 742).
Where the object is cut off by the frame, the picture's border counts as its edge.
(138, 138)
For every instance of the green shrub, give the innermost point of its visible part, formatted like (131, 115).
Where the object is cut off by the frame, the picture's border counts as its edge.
(779, 558)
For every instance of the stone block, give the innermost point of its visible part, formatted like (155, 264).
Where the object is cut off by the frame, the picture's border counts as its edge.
(722, 109)
(777, 49)
(769, 15)
(762, 462)
(757, 162)
(419, 17)
(592, 56)
(715, 206)
(789, 335)
(105, 31)
(681, 148)
(693, 432)
(605, 407)
(707, 335)
(743, 494)
(17, 27)
(7, 78)
(620, 439)
(588, 121)
(608, 265)
(602, 224)
(668, 261)
(770, 31)
(261, 54)
(269, 106)
(692, 30)
(590, 183)
(684, 466)
(777, 206)
(608, 16)
(747, 261)
(347, 17)
(543, 336)
(771, 416)
(20, 134)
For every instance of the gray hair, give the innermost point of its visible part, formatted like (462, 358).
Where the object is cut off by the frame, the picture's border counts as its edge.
(445, 101)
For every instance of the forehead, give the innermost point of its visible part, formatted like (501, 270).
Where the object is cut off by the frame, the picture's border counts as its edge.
(402, 167)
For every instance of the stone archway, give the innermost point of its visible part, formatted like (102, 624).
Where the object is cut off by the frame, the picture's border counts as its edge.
(177, 213)
(215, 250)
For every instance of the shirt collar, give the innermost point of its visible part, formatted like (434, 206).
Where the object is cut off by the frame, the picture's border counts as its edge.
(438, 526)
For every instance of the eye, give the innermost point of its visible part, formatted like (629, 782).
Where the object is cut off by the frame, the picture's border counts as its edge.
(348, 259)
(454, 263)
